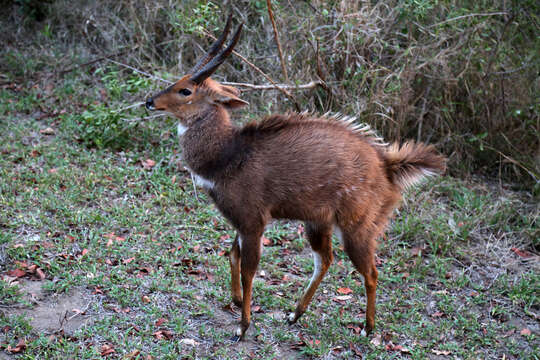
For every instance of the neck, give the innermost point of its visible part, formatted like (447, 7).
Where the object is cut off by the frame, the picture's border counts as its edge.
(207, 143)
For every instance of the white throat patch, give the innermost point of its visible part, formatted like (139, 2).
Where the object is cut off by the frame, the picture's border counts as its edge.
(200, 181)
(181, 129)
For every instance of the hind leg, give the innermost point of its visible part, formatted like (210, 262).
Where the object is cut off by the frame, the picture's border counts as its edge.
(360, 247)
(320, 238)
(235, 262)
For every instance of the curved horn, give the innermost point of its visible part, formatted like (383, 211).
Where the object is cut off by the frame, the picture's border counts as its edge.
(216, 47)
(212, 66)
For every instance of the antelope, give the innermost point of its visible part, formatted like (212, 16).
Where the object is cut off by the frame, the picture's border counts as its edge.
(335, 176)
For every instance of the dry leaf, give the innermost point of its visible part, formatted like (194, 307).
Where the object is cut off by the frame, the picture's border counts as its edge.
(266, 241)
(148, 164)
(16, 273)
(440, 352)
(160, 321)
(106, 350)
(145, 299)
(521, 253)
(127, 261)
(21, 345)
(84, 252)
(377, 340)
(525, 332)
(40, 274)
(47, 131)
(344, 291)
(132, 354)
(190, 342)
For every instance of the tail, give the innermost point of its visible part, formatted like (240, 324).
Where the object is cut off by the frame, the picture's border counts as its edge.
(409, 163)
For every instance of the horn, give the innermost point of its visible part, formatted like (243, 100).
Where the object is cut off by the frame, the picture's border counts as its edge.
(212, 66)
(216, 47)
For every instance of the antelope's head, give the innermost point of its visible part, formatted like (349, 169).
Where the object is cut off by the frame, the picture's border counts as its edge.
(195, 92)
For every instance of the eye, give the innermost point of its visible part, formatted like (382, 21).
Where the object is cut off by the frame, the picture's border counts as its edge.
(185, 92)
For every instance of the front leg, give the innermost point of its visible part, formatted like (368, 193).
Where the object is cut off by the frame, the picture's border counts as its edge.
(250, 254)
(235, 262)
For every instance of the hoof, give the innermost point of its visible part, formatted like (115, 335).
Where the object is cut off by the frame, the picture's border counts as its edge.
(292, 318)
(237, 302)
(236, 338)
(238, 335)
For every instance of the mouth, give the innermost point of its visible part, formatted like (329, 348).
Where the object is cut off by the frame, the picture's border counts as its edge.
(150, 104)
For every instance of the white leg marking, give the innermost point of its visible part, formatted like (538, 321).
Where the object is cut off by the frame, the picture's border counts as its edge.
(238, 331)
(317, 267)
(181, 129)
(338, 233)
(363, 333)
(291, 316)
(240, 242)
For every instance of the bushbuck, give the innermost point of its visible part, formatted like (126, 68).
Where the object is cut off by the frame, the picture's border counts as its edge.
(323, 170)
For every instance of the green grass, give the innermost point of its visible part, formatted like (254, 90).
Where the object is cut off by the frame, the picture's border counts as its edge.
(140, 246)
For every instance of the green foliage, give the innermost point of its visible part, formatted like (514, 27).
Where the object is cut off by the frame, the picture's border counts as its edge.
(101, 126)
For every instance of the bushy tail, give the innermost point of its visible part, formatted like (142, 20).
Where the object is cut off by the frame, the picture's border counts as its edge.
(411, 162)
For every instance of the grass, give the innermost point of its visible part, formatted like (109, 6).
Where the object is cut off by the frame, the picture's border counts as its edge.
(127, 246)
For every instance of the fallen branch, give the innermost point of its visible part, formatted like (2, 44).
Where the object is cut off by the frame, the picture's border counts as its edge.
(467, 16)
(307, 86)
(70, 69)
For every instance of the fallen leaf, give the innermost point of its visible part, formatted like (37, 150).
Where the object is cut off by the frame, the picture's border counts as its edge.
(40, 274)
(438, 314)
(525, 332)
(53, 171)
(266, 241)
(47, 131)
(106, 350)
(256, 309)
(163, 334)
(109, 243)
(417, 250)
(521, 253)
(127, 261)
(132, 354)
(377, 340)
(342, 298)
(160, 321)
(21, 346)
(190, 342)
(145, 299)
(84, 252)
(440, 352)
(18, 246)
(344, 291)
(229, 308)
(16, 273)
(148, 164)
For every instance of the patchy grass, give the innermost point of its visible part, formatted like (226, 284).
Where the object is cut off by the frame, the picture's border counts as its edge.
(103, 252)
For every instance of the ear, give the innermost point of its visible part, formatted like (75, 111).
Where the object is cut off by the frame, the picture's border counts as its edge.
(231, 101)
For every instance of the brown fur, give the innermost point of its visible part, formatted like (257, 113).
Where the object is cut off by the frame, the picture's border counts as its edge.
(296, 166)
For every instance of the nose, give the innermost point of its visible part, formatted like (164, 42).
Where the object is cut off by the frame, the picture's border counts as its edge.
(150, 104)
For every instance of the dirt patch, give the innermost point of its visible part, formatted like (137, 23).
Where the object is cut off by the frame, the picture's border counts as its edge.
(52, 313)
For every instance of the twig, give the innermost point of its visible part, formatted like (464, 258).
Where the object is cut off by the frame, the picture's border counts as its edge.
(138, 71)
(467, 16)
(515, 162)
(70, 69)
(129, 107)
(307, 86)
(276, 37)
(253, 66)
